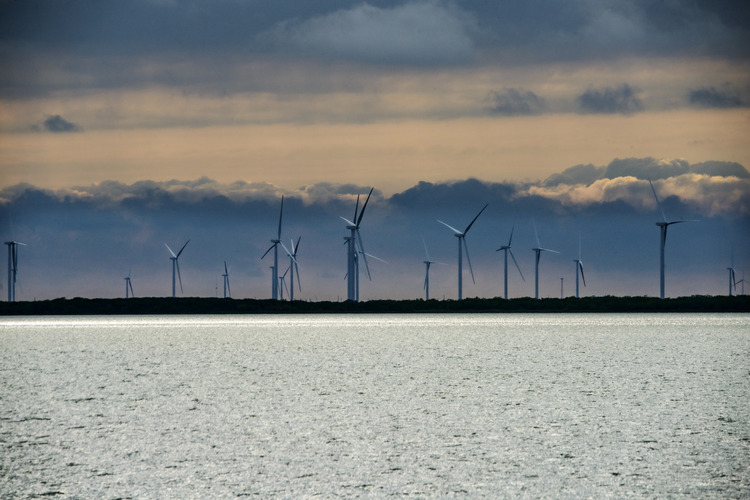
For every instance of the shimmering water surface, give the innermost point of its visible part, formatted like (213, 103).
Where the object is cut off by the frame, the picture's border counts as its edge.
(509, 406)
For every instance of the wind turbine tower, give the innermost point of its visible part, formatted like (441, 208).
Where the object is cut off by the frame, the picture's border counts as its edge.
(663, 225)
(12, 268)
(507, 249)
(176, 266)
(427, 264)
(538, 250)
(461, 235)
(128, 287)
(579, 266)
(732, 277)
(352, 242)
(294, 267)
(275, 248)
(227, 288)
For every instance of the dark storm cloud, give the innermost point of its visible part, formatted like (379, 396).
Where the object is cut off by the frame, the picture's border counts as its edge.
(56, 124)
(515, 102)
(48, 44)
(711, 97)
(623, 100)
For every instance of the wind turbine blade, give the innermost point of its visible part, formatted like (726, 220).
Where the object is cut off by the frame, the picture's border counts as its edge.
(177, 262)
(427, 254)
(170, 250)
(131, 288)
(183, 248)
(511, 232)
(281, 213)
(536, 233)
(290, 254)
(377, 258)
(466, 247)
(269, 249)
(296, 246)
(347, 221)
(449, 226)
(580, 265)
(657, 200)
(296, 269)
(229, 289)
(226, 271)
(548, 250)
(356, 210)
(516, 263)
(362, 213)
(474, 219)
(364, 255)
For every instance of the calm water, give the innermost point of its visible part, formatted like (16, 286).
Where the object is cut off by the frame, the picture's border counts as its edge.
(509, 406)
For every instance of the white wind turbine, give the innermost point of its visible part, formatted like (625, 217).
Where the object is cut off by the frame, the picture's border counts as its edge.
(176, 266)
(12, 268)
(275, 248)
(461, 235)
(538, 250)
(282, 283)
(732, 277)
(294, 267)
(579, 266)
(663, 240)
(227, 289)
(128, 287)
(354, 245)
(506, 249)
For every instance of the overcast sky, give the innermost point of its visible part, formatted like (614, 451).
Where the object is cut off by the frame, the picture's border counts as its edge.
(125, 124)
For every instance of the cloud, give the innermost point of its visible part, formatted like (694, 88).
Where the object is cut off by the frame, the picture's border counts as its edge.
(420, 33)
(710, 97)
(56, 124)
(623, 99)
(514, 102)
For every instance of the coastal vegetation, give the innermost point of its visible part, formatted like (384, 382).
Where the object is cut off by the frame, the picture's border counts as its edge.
(197, 305)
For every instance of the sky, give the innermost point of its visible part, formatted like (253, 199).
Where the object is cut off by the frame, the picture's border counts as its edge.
(127, 125)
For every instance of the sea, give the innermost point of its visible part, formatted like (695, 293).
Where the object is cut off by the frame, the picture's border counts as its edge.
(376, 406)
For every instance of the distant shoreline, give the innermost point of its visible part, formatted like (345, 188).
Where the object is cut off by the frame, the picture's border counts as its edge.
(194, 305)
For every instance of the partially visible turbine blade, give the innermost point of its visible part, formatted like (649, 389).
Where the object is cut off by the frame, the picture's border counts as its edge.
(177, 264)
(281, 213)
(474, 219)
(511, 233)
(269, 249)
(183, 248)
(427, 254)
(347, 221)
(516, 263)
(377, 258)
(657, 200)
(449, 226)
(580, 265)
(362, 213)
(466, 247)
(226, 271)
(288, 252)
(229, 289)
(548, 250)
(131, 288)
(296, 270)
(536, 233)
(170, 250)
(356, 211)
(364, 255)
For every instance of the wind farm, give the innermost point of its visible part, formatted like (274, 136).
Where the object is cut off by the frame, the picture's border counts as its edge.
(287, 285)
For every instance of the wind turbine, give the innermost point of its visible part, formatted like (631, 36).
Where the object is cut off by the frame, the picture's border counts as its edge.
(427, 264)
(282, 283)
(293, 266)
(579, 266)
(743, 283)
(128, 287)
(12, 268)
(226, 281)
(506, 249)
(275, 248)
(538, 250)
(176, 266)
(461, 235)
(663, 228)
(352, 241)
(732, 282)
